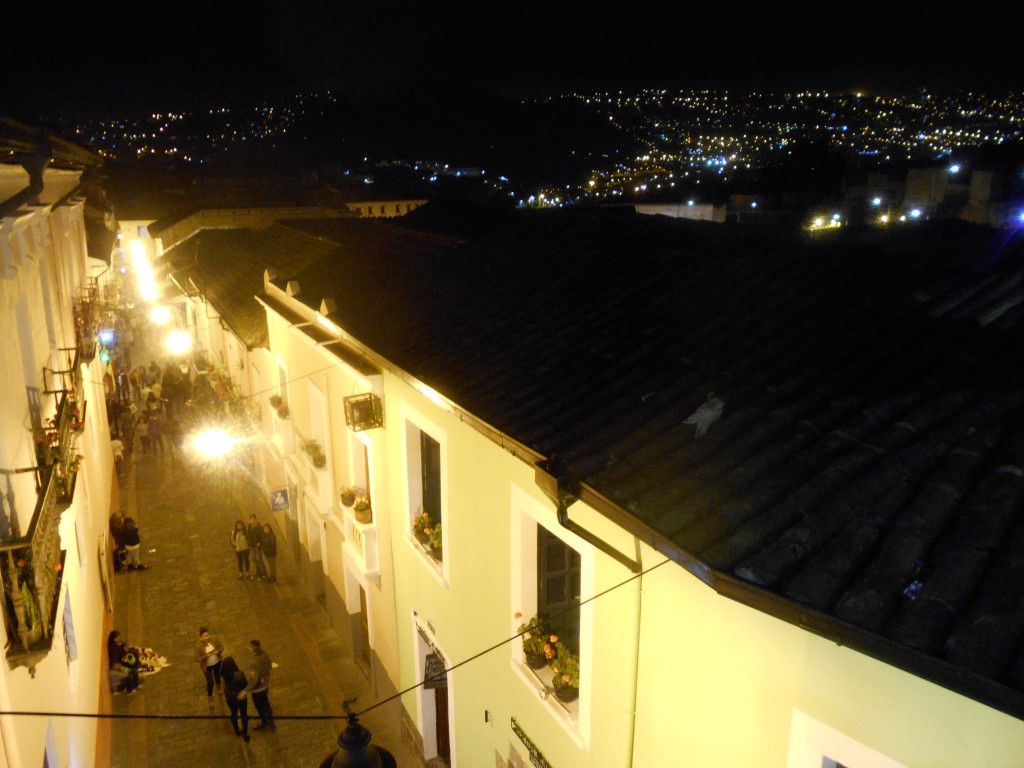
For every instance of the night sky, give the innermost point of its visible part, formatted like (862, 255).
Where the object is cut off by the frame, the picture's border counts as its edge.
(166, 56)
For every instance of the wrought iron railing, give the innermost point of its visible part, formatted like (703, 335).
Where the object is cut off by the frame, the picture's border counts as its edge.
(57, 439)
(31, 571)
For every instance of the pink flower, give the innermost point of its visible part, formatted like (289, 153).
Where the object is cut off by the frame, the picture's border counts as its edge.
(566, 678)
(554, 638)
(518, 615)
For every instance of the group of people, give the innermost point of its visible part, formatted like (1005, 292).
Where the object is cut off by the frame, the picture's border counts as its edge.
(125, 534)
(127, 662)
(255, 548)
(223, 673)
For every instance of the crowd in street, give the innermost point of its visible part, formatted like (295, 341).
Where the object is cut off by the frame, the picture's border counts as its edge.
(149, 408)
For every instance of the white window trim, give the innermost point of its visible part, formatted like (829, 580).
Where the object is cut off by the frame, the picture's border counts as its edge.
(412, 417)
(811, 741)
(526, 512)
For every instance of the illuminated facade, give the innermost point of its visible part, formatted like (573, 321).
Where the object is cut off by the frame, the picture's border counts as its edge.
(56, 463)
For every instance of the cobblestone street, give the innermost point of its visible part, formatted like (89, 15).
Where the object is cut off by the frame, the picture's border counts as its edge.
(185, 512)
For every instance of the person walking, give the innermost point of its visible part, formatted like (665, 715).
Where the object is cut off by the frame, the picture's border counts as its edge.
(237, 701)
(268, 546)
(240, 544)
(254, 535)
(156, 433)
(208, 653)
(258, 686)
(130, 537)
(142, 430)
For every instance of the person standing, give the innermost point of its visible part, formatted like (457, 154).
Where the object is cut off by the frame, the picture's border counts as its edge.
(258, 686)
(130, 536)
(117, 534)
(253, 533)
(238, 704)
(208, 653)
(240, 544)
(268, 546)
(117, 447)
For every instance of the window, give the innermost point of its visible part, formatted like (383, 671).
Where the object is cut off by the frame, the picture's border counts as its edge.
(430, 475)
(425, 481)
(558, 586)
(552, 569)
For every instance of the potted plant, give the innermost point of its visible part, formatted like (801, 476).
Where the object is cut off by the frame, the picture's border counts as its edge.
(361, 509)
(435, 541)
(566, 666)
(348, 496)
(422, 526)
(535, 640)
(283, 411)
(275, 401)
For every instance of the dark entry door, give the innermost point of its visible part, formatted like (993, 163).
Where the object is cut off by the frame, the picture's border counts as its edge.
(444, 748)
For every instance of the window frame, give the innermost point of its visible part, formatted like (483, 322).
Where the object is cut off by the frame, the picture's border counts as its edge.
(527, 512)
(415, 423)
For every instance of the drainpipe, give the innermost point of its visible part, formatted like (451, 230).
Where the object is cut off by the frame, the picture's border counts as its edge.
(558, 483)
(638, 598)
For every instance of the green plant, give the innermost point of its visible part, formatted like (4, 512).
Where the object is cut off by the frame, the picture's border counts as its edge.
(423, 525)
(535, 636)
(435, 535)
(566, 666)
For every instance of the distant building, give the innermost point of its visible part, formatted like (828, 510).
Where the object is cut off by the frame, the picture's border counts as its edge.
(693, 211)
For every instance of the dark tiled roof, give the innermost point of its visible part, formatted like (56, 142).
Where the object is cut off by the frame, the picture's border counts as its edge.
(868, 465)
(227, 265)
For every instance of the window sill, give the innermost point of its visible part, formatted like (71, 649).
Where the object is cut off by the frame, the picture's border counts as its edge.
(567, 714)
(435, 566)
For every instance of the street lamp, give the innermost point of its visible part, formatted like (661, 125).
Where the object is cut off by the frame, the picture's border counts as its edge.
(356, 751)
(214, 443)
(179, 342)
(160, 315)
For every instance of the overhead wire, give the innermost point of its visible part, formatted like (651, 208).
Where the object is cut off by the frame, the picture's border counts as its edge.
(382, 702)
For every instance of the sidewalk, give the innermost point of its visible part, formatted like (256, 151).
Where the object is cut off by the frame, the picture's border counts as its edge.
(185, 512)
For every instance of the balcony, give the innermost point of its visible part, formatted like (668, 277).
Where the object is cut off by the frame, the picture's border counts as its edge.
(56, 437)
(31, 571)
(361, 544)
(87, 313)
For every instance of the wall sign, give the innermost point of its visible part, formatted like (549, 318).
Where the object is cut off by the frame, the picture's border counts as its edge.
(535, 755)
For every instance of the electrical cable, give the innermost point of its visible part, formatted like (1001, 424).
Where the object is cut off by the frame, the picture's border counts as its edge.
(382, 702)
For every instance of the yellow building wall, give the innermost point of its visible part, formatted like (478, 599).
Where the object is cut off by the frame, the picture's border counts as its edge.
(305, 362)
(719, 683)
(470, 606)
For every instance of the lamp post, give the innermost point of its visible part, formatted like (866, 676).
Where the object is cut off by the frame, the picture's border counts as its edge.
(356, 751)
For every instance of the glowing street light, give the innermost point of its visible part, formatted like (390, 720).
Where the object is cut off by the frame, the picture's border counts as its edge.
(160, 315)
(179, 342)
(214, 443)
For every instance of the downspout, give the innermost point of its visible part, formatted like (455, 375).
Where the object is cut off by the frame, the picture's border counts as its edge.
(559, 484)
(638, 601)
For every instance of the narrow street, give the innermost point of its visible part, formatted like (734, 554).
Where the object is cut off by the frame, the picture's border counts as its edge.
(185, 510)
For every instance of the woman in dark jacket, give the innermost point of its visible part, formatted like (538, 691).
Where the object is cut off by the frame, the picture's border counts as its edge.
(234, 684)
(269, 545)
